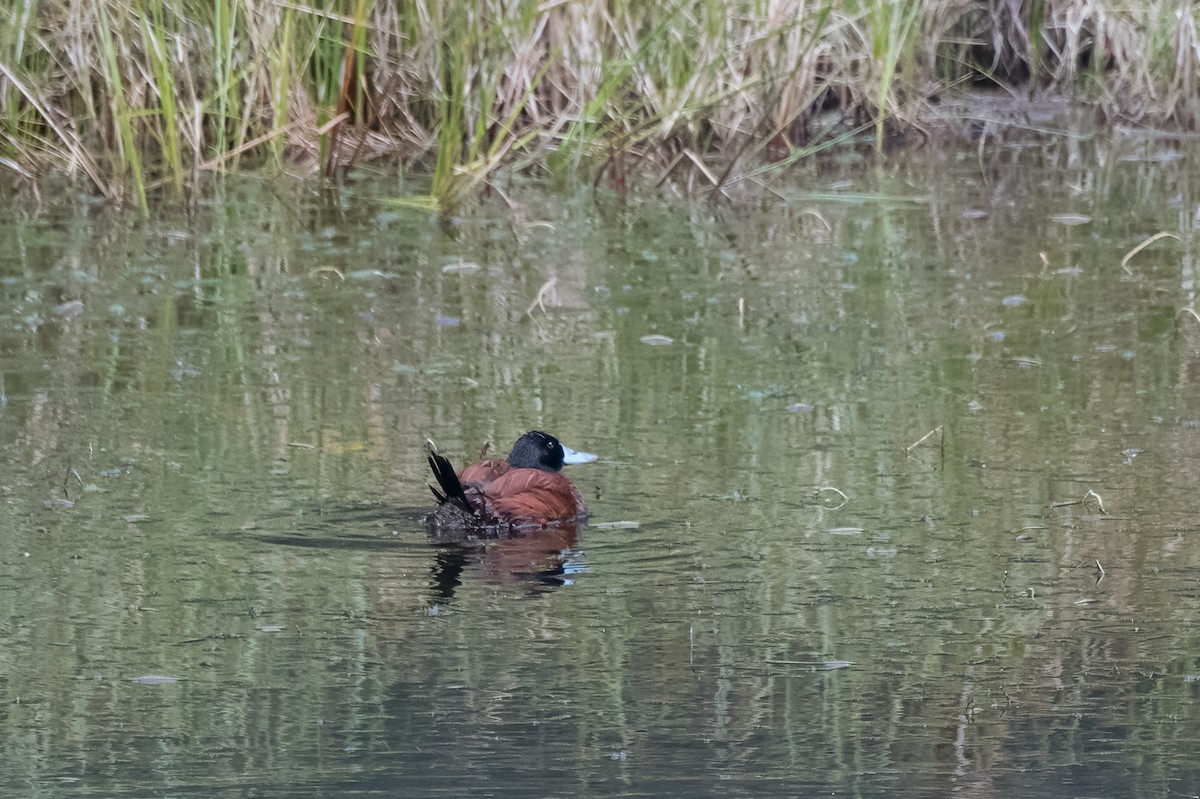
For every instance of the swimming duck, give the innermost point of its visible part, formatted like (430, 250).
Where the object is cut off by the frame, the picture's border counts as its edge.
(524, 491)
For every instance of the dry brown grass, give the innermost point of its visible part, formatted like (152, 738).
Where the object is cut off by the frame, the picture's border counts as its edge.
(129, 94)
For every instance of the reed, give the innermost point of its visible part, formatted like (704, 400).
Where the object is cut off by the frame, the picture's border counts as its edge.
(136, 96)
(128, 159)
(892, 24)
(156, 40)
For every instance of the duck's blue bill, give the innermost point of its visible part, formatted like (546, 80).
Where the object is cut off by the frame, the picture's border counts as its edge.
(571, 456)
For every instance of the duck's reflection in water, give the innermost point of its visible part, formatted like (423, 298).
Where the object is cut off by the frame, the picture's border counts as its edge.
(544, 558)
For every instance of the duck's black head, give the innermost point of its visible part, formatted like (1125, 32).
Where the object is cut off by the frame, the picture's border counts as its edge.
(538, 450)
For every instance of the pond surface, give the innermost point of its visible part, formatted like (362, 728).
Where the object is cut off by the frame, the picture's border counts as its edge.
(215, 578)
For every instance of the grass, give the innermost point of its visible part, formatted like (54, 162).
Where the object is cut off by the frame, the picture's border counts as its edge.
(137, 98)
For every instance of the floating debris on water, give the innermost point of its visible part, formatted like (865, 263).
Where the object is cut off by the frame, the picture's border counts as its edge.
(1070, 219)
(154, 679)
(69, 309)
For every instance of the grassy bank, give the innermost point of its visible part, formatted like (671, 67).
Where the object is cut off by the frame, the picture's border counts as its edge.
(133, 96)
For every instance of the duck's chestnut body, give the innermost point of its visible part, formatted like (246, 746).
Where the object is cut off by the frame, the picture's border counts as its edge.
(525, 490)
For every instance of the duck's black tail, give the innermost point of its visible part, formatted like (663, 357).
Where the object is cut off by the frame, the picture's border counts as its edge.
(452, 490)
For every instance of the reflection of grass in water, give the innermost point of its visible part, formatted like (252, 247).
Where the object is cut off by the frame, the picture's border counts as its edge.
(138, 95)
(703, 627)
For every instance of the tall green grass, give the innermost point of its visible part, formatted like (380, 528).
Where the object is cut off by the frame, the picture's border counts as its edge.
(136, 96)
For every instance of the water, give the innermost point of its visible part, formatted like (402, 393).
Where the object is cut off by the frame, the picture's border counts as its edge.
(214, 577)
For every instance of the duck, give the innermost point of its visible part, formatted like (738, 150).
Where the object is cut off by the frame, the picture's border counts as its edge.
(524, 491)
